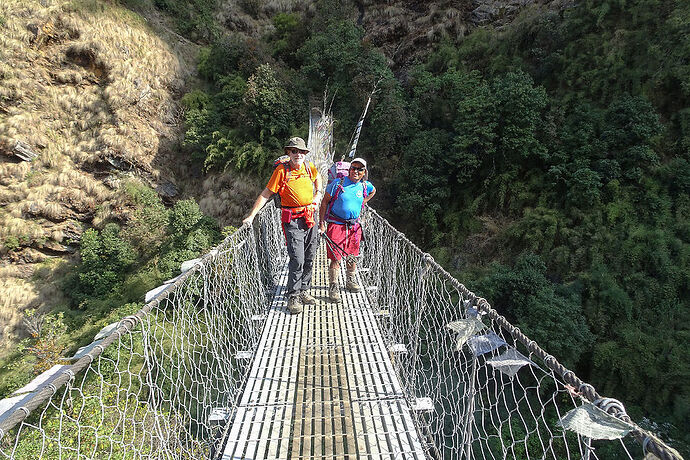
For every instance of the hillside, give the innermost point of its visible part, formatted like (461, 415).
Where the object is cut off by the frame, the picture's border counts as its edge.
(89, 95)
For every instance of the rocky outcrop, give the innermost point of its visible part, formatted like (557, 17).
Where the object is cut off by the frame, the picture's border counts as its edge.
(86, 94)
(488, 11)
(167, 190)
(23, 151)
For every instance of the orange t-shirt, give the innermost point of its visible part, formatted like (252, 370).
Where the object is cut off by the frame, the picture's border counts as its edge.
(299, 190)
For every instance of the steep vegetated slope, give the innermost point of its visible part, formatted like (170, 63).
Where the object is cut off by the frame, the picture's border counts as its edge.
(89, 121)
(562, 194)
(87, 89)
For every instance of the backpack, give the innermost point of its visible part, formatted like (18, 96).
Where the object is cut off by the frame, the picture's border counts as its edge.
(284, 162)
(340, 169)
(337, 170)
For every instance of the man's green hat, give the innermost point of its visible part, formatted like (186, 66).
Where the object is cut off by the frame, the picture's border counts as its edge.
(296, 143)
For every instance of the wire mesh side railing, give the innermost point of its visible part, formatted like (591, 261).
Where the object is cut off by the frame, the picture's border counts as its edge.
(161, 383)
(489, 391)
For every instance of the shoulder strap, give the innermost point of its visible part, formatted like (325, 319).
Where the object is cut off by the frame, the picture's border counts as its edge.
(365, 192)
(339, 188)
(336, 193)
(286, 177)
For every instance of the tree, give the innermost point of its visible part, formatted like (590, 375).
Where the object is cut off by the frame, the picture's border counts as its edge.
(549, 314)
(267, 106)
(290, 33)
(475, 125)
(519, 105)
(147, 219)
(105, 258)
(632, 127)
(231, 53)
(201, 121)
(335, 57)
(423, 192)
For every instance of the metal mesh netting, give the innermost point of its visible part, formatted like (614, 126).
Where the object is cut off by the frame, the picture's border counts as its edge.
(165, 382)
(151, 393)
(492, 398)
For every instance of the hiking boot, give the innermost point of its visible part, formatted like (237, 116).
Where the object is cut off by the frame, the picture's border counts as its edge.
(334, 293)
(307, 299)
(352, 285)
(294, 305)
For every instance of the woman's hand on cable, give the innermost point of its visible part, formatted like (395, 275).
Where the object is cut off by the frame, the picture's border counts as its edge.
(322, 227)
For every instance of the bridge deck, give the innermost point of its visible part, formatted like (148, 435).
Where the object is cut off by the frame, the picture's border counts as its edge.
(322, 385)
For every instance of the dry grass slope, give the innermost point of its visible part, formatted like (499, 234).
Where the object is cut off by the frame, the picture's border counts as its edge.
(91, 90)
(227, 198)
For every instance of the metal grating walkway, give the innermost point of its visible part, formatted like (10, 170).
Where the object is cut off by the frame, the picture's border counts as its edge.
(322, 386)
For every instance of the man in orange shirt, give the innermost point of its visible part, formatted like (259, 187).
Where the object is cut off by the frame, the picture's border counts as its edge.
(299, 187)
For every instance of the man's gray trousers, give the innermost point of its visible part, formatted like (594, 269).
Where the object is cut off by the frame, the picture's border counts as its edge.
(301, 247)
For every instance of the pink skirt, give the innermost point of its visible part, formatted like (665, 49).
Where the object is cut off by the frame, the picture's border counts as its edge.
(346, 239)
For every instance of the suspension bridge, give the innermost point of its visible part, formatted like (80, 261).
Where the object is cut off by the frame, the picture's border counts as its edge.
(415, 366)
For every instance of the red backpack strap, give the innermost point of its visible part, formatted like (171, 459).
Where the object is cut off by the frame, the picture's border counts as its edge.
(286, 178)
(336, 193)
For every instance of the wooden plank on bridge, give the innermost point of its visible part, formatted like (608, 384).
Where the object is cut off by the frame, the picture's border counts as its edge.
(322, 386)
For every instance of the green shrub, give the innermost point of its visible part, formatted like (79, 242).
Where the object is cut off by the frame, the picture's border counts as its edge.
(47, 339)
(184, 216)
(253, 156)
(11, 243)
(550, 314)
(145, 229)
(229, 100)
(105, 258)
(195, 100)
(193, 18)
(289, 34)
(269, 110)
(231, 53)
(201, 121)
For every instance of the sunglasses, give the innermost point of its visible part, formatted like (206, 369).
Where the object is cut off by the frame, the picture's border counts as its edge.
(296, 152)
(357, 169)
